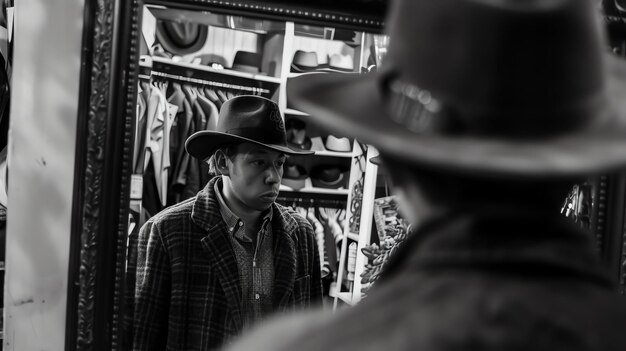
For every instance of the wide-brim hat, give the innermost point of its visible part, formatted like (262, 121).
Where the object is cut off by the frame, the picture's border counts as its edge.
(304, 61)
(181, 38)
(517, 89)
(328, 177)
(294, 176)
(245, 118)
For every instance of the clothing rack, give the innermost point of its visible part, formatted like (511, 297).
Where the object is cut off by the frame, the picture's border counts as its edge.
(223, 79)
(253, 90)
(312, 201)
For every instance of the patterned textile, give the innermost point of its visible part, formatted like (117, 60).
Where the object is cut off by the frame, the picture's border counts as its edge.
(188, 291)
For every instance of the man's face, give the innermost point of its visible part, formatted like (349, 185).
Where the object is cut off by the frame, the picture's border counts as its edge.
(255, 173)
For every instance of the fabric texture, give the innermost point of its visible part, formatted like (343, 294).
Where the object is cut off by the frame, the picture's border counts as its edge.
(188, 291)
(488, 281)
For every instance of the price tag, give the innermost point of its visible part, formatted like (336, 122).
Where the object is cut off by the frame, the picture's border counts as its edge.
(136, 186)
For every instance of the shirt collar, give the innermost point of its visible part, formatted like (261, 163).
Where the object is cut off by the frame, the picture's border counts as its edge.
(233, 223)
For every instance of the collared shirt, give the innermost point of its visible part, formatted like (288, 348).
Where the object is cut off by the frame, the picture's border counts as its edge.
(255, 259)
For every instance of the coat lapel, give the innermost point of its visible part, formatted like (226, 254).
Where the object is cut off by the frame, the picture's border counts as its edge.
(218, 248)
(222, 257)
(283, 228)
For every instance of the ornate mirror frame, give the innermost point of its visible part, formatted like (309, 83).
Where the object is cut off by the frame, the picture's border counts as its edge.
(109, 76)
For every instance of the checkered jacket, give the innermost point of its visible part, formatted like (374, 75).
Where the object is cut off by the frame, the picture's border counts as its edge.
(188, 293)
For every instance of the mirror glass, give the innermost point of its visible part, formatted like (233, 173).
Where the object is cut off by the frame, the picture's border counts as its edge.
(187, 284)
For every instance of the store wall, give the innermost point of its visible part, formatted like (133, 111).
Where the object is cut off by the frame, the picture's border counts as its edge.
(41, 167)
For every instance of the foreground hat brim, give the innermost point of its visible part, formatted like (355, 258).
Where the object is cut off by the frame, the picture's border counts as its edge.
(352, 105)
(203, 144)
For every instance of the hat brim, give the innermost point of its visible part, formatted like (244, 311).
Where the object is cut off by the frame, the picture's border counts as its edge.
(303, 69)
(203, 144)
(330, 99)
(337, 183)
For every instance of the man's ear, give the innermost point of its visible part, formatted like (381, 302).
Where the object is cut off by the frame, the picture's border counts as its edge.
(221, 163)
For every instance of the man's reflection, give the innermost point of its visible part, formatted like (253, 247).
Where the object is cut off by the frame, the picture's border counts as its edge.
(217, 263)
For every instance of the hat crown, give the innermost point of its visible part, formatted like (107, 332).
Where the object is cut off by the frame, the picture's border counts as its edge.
(253, 117)
(494, 56)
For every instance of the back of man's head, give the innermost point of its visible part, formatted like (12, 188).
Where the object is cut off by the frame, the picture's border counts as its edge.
(447, 188)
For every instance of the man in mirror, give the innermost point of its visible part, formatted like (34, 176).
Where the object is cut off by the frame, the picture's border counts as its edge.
(213, 265)
(483, 143)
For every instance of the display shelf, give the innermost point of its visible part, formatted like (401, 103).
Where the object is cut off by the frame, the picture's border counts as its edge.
(225, 71)
(345, 297)
(309, 190)
(348, 37)
(333, 153)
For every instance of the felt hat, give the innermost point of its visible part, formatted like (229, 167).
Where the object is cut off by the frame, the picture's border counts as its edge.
(296, 134)
(304, 61)
(329, 177)
(336, 144)
(245, 118)
(181, 38)
(502, 87)
(246, 61)
(294, 176)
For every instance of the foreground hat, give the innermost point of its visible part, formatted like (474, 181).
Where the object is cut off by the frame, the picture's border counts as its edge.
(246, 118)
(503, 87)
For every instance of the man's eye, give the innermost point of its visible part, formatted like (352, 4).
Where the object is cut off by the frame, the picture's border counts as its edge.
(258, 162)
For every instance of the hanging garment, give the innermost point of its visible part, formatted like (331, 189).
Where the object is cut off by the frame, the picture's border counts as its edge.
(212, 95)
(140, 129)
(178, 134)
(168, 117)
(141, 134)
(210, 110)
(222, 95)
(157, 113)
(318, 228)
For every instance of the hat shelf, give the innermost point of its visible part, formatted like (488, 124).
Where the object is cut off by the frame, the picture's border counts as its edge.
(314, 190)
(226, 71)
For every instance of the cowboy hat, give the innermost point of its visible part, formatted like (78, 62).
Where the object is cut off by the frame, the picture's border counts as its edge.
(496, 87)
(329, 177)
(246, 118)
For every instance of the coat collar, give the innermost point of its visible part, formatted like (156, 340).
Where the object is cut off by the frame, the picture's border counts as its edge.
(506, 240)
(216, 243)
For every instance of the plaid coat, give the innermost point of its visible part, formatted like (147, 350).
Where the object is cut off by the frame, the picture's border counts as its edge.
(188, 293)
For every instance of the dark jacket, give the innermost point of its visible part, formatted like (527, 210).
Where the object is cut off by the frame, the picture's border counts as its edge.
(491, 281)
(188, 294)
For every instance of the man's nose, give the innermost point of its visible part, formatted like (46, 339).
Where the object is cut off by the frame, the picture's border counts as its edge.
(274, 174)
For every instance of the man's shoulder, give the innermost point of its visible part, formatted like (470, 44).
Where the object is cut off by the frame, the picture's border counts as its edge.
(290, 215)
(176, 212)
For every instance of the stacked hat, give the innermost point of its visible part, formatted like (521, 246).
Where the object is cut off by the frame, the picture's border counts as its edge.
(294, 176)
(296, 135)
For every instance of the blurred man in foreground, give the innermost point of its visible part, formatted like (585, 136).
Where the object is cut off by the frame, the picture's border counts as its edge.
(487, 112)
